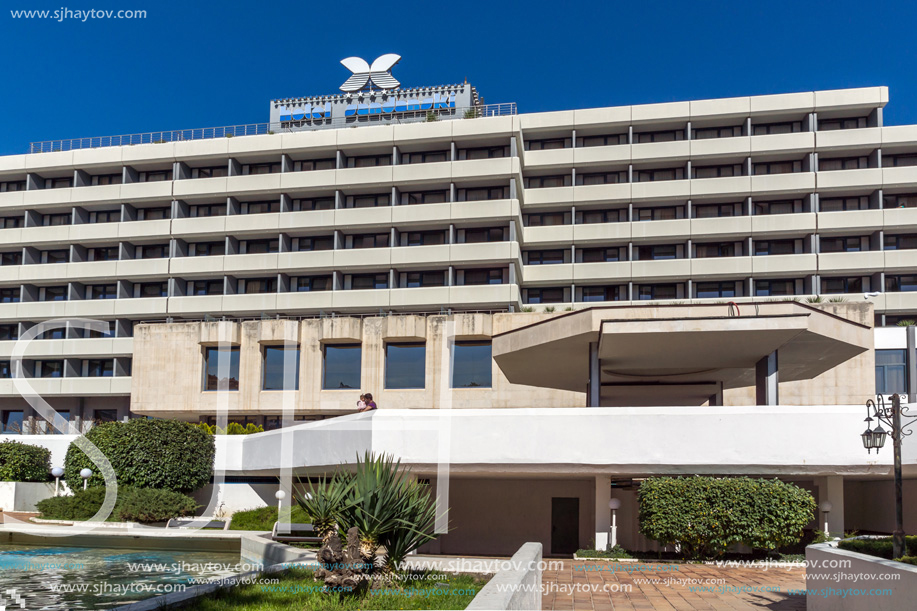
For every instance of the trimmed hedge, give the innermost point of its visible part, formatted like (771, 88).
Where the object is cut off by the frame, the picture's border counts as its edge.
(706, 515)
(233, 428)
(882, 548)
(144, 505)
(161, 454)
(21, 462)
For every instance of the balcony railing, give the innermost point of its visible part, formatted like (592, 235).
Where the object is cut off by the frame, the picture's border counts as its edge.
(255, 129)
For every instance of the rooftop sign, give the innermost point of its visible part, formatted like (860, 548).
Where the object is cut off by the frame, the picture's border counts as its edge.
(380, 73)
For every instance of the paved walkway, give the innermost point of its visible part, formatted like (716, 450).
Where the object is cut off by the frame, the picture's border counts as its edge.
(603, 586)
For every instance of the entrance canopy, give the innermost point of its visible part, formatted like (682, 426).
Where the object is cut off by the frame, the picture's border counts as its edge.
(700, 348)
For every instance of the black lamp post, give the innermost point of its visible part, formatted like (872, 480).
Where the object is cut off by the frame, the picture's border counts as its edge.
(875, 438)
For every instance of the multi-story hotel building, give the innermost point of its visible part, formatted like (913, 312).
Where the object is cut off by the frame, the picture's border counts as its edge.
(413, 244)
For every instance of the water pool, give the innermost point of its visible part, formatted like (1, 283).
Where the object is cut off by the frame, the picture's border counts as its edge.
(57, 577)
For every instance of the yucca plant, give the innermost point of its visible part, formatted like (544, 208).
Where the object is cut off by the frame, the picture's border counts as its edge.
(323, 503)
(416, 528)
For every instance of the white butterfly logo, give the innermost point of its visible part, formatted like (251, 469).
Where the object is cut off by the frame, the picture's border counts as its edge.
(379, 72)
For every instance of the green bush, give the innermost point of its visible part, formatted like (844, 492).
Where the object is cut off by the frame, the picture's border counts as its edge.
(706, 515)
(615, 552)
(233, 428)
(263, 518)
(21, 462)
(132, 505)
(81, 506)
(882, 548)
(144, 453)
(908, 560)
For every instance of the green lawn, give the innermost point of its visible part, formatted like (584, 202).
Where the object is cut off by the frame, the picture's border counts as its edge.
(263, 518)
(297, 590)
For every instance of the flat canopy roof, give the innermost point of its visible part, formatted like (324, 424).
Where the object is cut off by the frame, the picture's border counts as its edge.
(683, 344)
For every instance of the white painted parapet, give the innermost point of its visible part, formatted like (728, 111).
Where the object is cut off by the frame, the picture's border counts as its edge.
(841, 580)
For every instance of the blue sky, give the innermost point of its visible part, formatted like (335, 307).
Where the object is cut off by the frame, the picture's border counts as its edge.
(198, 63)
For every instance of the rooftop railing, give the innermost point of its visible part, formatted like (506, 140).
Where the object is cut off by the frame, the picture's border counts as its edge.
(256, 129)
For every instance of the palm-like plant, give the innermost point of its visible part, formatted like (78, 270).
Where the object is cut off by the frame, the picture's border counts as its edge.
(418, 516)
(323, 503)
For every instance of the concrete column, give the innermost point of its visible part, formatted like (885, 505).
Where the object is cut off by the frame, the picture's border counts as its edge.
(602, 512)
(831, 489)
(766, 380)
(911, 364)
(595, 386)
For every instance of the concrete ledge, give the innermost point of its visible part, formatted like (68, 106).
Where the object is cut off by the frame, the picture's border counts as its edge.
(516, 588)
(841, 580)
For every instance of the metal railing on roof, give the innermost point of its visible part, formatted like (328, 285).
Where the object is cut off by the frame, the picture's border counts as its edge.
(256, 129)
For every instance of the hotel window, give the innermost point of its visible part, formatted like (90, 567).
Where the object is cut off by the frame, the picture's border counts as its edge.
(610, 140)
(782, 207)
(482, 194)
(105, 216)
(63, 218)
(825, 125)
(482, 234)
(9, 295)
(370, 240)
(207, 249)
(658, 175)
(11, 258)
(363, 282)
(708, 290)
(261, 168)
(105, 415)
(901, 284)
(657, 291)
(151, 289)
(589, 217)
(472, 364)
(548, 144)
(840, 204)
(844, 163)
(900, 242)
(9, 187)
(891, 372)
(49, 369)
(260, 207)
(369, 201)
(485, 152)
(601, 293)
(601, 255)
(10, 222)
(51, 334)
(707, 251)
(668, 135)
(100, 368)
(221, 368)
(544, 257)
(280, 368)
(55, 256)
(705, 211)
(52, 293)
(217, 171)
(899, 201)
(656, 253)
(483, 276)
(107, 179)
(306, 205)
(547, 219)
(545, 295)
(426, 157)
(775, 247)
(854, 244)
(310, 165)
(787, 127)
(547, 182)
(601, 178)
(427, 197)
(202, 210)
(405, 366)
(59, 183)
(307, 284)
(314, 243)
(655, 214)
(717, 171)
(205, 287)
(152, 251)
(254, 286)
(777, 167)
(842, 285)
(897, 161)
(776, 288)
(425, 238)
(154, 214)
(706, 133)
(102, 291)
(260, 247)
(9, 332)
(157, 176)
(369, 161)
(421, 279)
(12, 420)
(341, 364)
